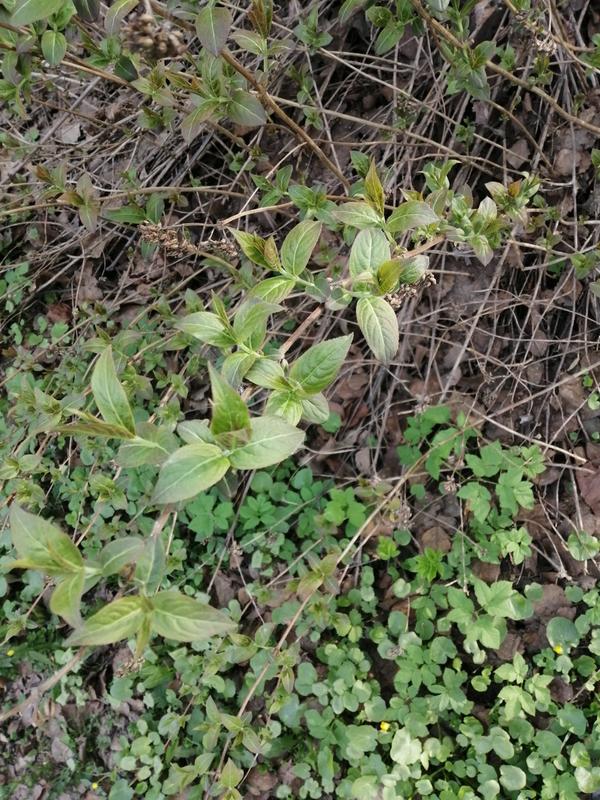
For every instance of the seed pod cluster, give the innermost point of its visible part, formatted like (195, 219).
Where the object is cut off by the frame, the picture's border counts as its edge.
(143, 33)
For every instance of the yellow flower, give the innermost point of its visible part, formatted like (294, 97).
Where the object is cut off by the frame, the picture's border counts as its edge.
(384, 726)
(558, 649)
(10, 652)
(94, 785)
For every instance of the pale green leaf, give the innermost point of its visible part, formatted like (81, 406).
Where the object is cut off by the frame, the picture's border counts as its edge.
(152, 445)
(273, 290)
(115, 15)
(267, 373)
(205, 326)
(117, 554)
(39, 542)
(184, 619)
(188, 471)
(109, 395)
(319, 365)
(118, 620)
(271, 440)
(410, 215)
(298, 245)
(315, 409)
(236, 366)
(54, 47)
(150, 565)
(193, 122)
(27, 11)
(230, 413)
(246, 109)
(195, 430)
(286, 405)
(212, 27)
(65, 600)
(370, 249)
(377, 320)
(358, 215)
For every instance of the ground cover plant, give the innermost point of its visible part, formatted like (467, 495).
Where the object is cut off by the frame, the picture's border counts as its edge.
(299, 410)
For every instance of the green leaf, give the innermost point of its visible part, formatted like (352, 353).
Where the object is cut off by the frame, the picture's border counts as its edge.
(230, 413)
(273, 290)
(188, 471)
(249, 324)
(285, 404)
(65, 601)
(236, 366)
(370, 249)
(267, 373)
(315, 409)
(118, 620)
(319, 365)
(205, 326)
(245, 109)
(43, 544)
(131, 214)
(195, 430)
(109, 395)
(378, 323)
(212, 27)
(27, 11)
(179, 617)
(388, 275)
(54, 47)
(152, 445)
(150, 565)
(117, 554)
(253, 246)
(410, 215)
(479, 499)
(88, 10)
(193, 122)
(358, 215)
(298, 245)
(562, 632)
(512, 778)
(405, 749)
(231, 775)
(91, 426)
(271, 440)
(373, 189)
(115, 15)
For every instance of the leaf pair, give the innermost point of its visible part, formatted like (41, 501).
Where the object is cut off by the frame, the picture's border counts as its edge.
(232, 439)
(44, 547)
(195, 467)
(170, 614)
(298, 394)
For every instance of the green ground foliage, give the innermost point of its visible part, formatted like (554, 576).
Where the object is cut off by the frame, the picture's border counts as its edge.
(300, 408)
